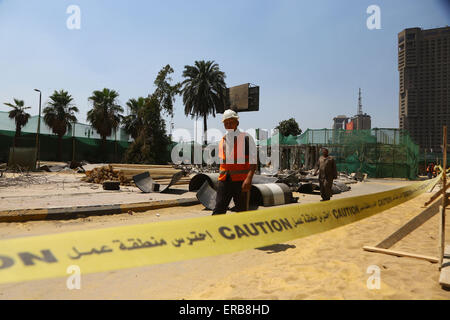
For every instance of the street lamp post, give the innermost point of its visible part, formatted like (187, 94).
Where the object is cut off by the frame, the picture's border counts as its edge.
(73, 143)
(38, 129)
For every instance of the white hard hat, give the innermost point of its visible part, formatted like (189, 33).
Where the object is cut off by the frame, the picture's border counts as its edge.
(228, 114)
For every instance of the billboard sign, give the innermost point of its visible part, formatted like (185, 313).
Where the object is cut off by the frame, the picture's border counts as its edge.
(242, 98)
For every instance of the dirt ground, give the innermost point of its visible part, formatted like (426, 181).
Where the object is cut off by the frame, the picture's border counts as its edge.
(331, 265)
(64, 189)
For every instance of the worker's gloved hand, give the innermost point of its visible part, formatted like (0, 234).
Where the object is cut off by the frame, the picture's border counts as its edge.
(246, 185)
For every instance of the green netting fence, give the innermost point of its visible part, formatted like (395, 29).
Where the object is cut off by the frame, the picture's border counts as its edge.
(381, 153)
(72, 148)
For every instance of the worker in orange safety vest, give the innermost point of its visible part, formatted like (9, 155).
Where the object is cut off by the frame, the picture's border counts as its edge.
(237, 156)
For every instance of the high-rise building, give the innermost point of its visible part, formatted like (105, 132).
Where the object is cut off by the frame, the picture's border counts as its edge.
(424, 67)
(362, 122)
(340, 122)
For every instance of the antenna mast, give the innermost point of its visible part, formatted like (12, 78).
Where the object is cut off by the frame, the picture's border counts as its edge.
(360, 112)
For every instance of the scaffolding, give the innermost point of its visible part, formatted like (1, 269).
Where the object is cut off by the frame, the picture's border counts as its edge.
(381, 153)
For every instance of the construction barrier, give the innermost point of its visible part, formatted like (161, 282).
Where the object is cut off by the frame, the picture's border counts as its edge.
(50, 256)
(77, 148)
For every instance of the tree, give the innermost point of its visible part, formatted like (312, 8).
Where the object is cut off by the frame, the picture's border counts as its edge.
(165, 92)
(105, 115)
(289, 127)
(146, 125)
(59, 115)
(151, 144)
(19, 115)
(204, 90)
(133, 123)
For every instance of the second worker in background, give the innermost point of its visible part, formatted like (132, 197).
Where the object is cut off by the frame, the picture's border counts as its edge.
(327, 173)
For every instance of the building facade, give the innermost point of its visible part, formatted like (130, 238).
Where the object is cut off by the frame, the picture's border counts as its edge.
(424, 71)
(362, 122)
(340, 122)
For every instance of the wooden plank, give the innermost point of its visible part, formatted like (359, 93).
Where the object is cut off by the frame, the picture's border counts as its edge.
(410, 226)
(444, 199)
(441, 236)
(401, 254)
(140, 166)
(444, 279)
(436, 195)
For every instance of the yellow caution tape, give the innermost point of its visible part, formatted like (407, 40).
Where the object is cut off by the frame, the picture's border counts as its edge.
(49, 256)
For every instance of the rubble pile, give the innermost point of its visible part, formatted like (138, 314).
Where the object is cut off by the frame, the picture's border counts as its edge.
(195, 169)
(304, 181)
(106, 173)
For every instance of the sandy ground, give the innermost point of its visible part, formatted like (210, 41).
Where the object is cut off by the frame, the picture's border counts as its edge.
(331, 265)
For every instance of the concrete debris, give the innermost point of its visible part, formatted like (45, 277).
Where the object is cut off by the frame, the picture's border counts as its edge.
(339, 187)
(358, 176)
(304, 181)
(194, 169)
(72, 166)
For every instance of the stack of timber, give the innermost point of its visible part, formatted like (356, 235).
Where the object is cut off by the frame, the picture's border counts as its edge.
(124, 173)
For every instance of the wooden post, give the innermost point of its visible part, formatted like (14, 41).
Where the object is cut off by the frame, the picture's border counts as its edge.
(444, 198)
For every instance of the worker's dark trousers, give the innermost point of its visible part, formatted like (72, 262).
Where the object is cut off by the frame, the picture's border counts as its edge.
(325, 188)
(227, 190)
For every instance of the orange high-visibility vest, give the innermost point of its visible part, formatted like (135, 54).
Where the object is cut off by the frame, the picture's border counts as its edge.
(239, 168)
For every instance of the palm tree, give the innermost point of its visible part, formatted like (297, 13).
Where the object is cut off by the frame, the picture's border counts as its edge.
(203, 90)
(59, 115)
(105, 113)
(133, 123)
(19, 115)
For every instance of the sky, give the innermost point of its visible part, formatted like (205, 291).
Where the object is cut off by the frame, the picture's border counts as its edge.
(308, 57)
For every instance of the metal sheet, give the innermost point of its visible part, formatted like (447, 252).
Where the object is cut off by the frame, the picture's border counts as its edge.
(270, 195)
(145, 183)
(207, 196)
(175, 178)
(277, 193)
(198, 180)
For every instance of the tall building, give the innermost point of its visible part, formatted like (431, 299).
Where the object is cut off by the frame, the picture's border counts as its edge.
(340, 122)
(424, 101)
(362, 122)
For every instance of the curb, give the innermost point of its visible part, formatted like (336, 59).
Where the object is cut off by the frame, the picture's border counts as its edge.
(24, 215)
